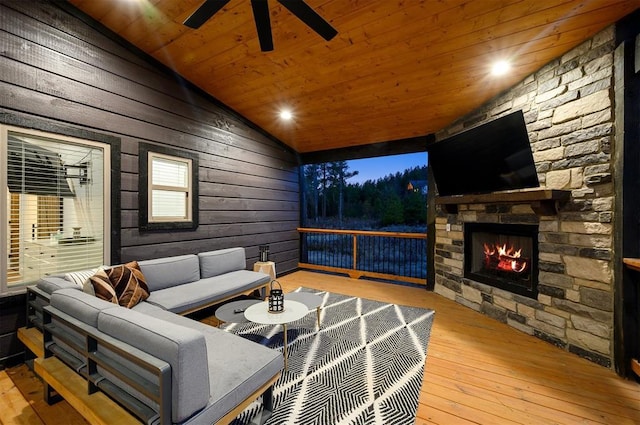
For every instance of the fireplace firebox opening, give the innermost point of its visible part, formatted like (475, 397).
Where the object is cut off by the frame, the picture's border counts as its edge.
(502, 255)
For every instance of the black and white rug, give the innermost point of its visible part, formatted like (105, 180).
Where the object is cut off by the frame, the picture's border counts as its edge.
(363, 366)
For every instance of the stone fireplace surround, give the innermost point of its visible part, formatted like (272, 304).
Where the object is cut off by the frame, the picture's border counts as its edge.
(566, 317)
(569, 113)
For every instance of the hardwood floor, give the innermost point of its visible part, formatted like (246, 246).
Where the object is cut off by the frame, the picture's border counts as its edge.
(21, 401)
(478, 371)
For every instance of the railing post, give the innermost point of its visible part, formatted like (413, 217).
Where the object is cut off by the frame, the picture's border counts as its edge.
(304, 251)
(355, 251)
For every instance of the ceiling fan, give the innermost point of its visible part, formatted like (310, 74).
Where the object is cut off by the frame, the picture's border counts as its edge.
(261, 16)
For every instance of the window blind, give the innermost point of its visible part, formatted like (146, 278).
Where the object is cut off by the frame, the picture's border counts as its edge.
(170, 188)
(56, 206)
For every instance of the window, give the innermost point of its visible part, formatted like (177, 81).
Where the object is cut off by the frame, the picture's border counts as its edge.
(168, 199)
(169, 188)
(55, 208)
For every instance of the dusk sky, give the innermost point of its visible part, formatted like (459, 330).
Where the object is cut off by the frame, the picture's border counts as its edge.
(375, 168)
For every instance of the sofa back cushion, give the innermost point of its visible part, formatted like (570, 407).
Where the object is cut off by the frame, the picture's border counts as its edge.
(79, 305)
(82, 307)
(214, 263)
(183, 348)
(170, 271)
(50, 284)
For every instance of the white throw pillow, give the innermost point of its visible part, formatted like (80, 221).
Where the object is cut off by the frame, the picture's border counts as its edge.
(80, 277)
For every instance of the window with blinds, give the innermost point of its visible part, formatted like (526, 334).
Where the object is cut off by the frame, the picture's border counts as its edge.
(55, 209)
(169, 188)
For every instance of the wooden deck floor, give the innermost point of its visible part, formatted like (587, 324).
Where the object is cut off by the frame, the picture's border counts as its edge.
(478, 371)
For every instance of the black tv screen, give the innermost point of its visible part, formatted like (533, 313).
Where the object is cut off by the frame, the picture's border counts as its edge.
(492, 157)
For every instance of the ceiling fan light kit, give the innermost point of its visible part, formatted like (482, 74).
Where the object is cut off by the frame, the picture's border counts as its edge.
(260, 8)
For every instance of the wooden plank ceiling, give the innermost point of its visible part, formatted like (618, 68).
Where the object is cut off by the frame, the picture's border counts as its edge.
(397, 68)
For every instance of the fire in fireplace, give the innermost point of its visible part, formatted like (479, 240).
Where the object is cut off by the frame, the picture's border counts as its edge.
(503, 256)
(499, 258)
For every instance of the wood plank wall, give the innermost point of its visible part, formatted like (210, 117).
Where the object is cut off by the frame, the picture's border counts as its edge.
(55, 65)
(12, 316)
(58, 67)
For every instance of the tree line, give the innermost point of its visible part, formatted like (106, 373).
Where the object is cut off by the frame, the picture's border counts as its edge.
(396, 199)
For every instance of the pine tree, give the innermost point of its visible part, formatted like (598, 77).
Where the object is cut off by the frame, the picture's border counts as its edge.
(339, 173)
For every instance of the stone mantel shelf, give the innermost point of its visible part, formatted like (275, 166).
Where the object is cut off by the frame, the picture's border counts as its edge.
(543, 201)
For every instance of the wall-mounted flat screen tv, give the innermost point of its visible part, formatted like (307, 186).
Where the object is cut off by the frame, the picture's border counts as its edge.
(489, 158)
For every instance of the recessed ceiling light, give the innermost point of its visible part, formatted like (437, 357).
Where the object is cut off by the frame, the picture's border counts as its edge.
(500, 68)
(286, 114)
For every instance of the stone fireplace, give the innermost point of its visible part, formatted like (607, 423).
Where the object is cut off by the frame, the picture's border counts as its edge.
(566, 295)
(504, 256)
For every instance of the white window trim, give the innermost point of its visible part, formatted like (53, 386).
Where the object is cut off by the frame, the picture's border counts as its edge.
(188, 189)
(4, 218)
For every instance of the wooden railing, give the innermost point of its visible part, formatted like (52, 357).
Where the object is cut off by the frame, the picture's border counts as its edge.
(382, 255)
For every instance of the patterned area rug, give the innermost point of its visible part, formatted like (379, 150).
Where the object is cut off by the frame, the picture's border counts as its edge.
(363, 366)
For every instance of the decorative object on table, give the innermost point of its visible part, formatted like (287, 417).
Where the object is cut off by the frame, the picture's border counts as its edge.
(263, 254)
(276, 298)
(368, 359)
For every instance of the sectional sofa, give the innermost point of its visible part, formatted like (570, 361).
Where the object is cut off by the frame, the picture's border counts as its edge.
(158, 364)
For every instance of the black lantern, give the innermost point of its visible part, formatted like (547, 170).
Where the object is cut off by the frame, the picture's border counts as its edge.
(276, 298)
(263, 253)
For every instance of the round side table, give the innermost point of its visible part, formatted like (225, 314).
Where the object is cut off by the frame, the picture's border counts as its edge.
(233, 312)
(293, 310)
(312, 301)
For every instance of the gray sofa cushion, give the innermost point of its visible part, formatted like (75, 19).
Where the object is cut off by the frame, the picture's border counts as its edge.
(82, 307)
(235, 371)
(50, 284)
(183, 348)
(79, 305)
(161, 313)
(170, 271)
(179, 299)
(214, 263)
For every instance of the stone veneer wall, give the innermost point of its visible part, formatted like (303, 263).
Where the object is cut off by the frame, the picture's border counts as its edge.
(568, 108)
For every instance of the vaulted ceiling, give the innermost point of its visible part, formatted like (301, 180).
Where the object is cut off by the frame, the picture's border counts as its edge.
(397, 68)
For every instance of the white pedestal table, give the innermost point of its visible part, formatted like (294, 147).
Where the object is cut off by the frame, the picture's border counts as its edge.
(293, 310)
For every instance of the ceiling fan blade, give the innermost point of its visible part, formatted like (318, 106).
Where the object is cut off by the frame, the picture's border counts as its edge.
(263, 24)
(204, 12)
(309, 16)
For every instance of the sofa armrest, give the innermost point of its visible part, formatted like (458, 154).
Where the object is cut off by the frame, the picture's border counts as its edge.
(135, 369)
(37, 299)
(119, 378)
(183, 348)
